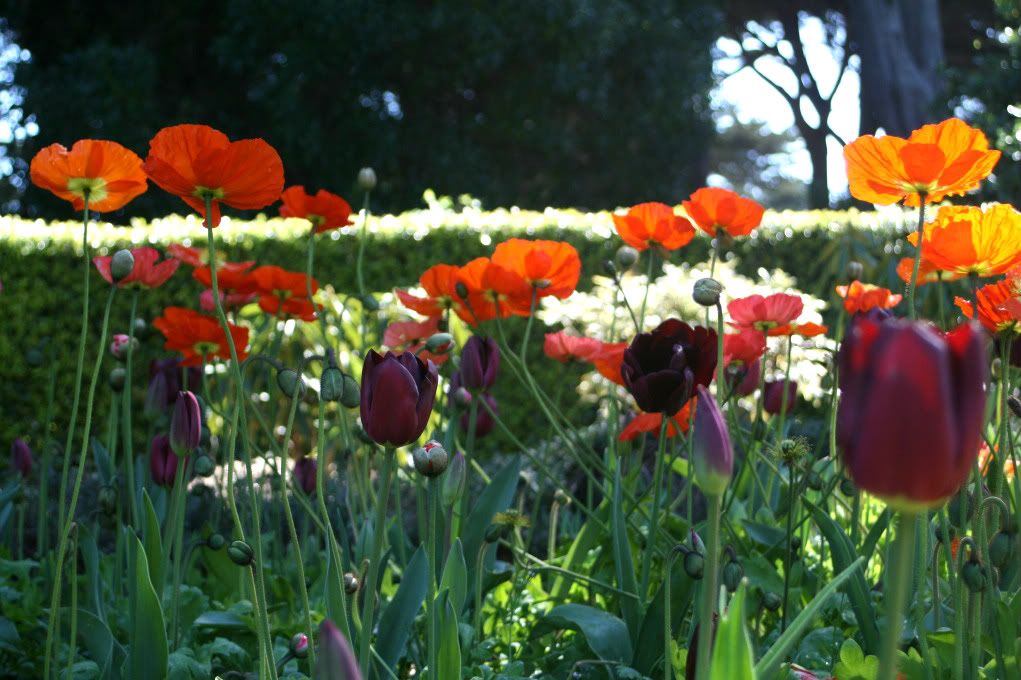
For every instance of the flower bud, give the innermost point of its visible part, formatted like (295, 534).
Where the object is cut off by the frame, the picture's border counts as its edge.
(771, 601)
(1000, 549)
(351, 396)
(694, 564)
(773, 396)
(156, 396)
(21, 457)
(121, 265)
(455, 480)
(707, 292)
(185, 424)
(847, 487)
(120, 346)
(439, 343)
(336, 660)
(299, 645)
(462, 397)
(331, 384)
(397, 395)
(291, 383)
(366, 179)
(962, 500)
(305, 472)
(480, 361)
(351, 583)
(141, 328)
(626, 257)
(609, 268)
(975, 575)
(733, 572)
(204, 465)
(216, 541)
(855, 270)
(696, 542)
(118, 376)
(431, 460)
(712, 453)
(461, 289)
(241, 553)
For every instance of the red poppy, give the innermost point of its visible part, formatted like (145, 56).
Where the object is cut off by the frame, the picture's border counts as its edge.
(861, 297)
(563, 347)
(744, 348)
(199, 337)
(196, 162)
(714, 210)
(609, 359)
(110, 174)
(927, 271)
(439, 282)
(493, 291)
(283, 293)
(551, 268)
(323, 209)
(231, 279)
(227, 300)
(199, 257)
(648, 224)
(805, 330)
(651, 423)
(411, 336)
(771, 315)
(147, 272)
(995, 310)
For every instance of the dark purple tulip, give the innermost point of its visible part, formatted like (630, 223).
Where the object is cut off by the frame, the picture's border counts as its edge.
(772, 396)
(21, 457)
(157, 395)
(712, 454)
(912, 407)
(171, 371)
(876, 314)
(162, 461)
(484, 422)
(398, 391)
(336, 660)
(480, 360)
(1015, 352)
(750, 380)
(186, 424)
(305, 474)
(662, 368)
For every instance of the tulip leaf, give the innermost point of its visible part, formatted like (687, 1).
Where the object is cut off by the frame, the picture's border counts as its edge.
(623, 562)
(605, 633)
(222, 620)
(843, 555)
(650, 640)
(732, 657)
(399, 615)
(333, 588)
(881, 524)
(590, 536)
(496, 497)
(97, 639)
(455, 577)
(103, 465)
(147, 653)
(90, 556)
(152, 542)
(448, 661)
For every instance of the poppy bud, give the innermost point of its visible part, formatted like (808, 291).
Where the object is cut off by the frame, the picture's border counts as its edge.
(1015, 405)
(216, 541)
(398, 391)
(694, 565)
(305, 472)
(21, 457)
(185, 424)
(370, 303)
(204, 466)
(712, 454)
(141, 328)
(626, 257)
(480, 361)
(707, 292)
(331, 384)
(299, 645)
(121, 265)
(771, 601)
(609, 268)
(855, 270)
(696, 541)
(484, 421)
(439, 343)
(847, 487)
(749, 378)
(336, 660)
(975, 575)
(431, 460)
(291, 383)
(156, 396)
(1000, 549)
(351, 583)
(455, 480)
(462, 398)
(120, 345)
(118, 376)
(963, 501)
(367, 179)
(733, 572)
(162, 461)
(351, 396)
(662, 368)
(773, 396)
(240, 553)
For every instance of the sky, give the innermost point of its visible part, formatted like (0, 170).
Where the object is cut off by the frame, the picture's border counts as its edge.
(755, 100)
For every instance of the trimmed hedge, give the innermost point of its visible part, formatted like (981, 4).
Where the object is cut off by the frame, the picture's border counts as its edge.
(40, 268)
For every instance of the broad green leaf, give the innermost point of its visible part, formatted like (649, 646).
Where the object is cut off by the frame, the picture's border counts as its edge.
(496, 497)
(623, 563)
(399, 615)
(854, 664)
(732, 652)
(333, 589)
(226, 620)
(153, 543)
(448, 662)
(90, 556)
(455, 576)
(649, 649)
(99, 641)
(147, 654)
(605, 633)
(590, 536)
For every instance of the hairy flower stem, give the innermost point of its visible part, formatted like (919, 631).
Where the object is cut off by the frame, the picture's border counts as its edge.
(129, 449)
(709, 587)
(80, 365)
(897, 587)
(792, 497)
(648, 285)
(331, 539)
(51, 628)
(362, 236)
(913, 284)
(657, 483)
(433, 547)
(42, 536)
(720, 368)
(177, 539)
(469, 451)
(376, 554)
(309, 263)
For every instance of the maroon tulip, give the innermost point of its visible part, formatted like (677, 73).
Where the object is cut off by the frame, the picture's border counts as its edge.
(305, 470)
(21, 457)
(398, 391)
(484, 422)
(662, 368)
(162, 461)
(170, 370)
(480, 360)
(772, 396)
(712, 454)
(186, 424)
(911, 409)
(336, 660)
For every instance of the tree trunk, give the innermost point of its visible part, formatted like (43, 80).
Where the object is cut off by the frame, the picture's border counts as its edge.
(819, 189)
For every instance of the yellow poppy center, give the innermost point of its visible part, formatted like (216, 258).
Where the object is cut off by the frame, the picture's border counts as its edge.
(92, 187)
(206, 348)
(208, 192)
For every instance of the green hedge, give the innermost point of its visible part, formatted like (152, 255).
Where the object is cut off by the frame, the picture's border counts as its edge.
(40, 268)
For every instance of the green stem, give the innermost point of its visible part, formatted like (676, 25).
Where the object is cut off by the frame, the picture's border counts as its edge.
(720, 368)
(648, 285)
(792, 474)
(898, 587)
(709, 595)
(42, 537)
(528, 325)
(73, 579)
(309, 262)
(657, 483)
(378, 534)
(180, 487)
(362, 235)
(913, 284)
(331, 539)
(129, 449)
(469, 452)
(432, 546)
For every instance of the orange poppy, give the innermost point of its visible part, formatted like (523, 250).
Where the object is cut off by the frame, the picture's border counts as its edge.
(861, 297)
(110, 174)
(196, 162)
(411, 336)
(985, 457)
(651, 422)
(927, 271)
(493, 291)
(994, 308)
(563, 347)
(323, 209)
(805, 330)
(146, 273)
(439, 282)
(714, 210)
(608, 360)
(199, 257)
(551, 268)
(649, 224)
(965, 240)
(944, 159)
(283, 293)
(745, 347)
(199, 337)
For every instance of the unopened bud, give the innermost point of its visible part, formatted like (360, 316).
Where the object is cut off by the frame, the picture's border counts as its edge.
(461, 290)
(847, 487)
(455, 480)
(855, 270)
(707, 292)
(975, 575)
(996, 369)
(117, 378)
(694, 564)
(370, 303)
(215, 541)
(462, 397)
(366, 179)
(351, 396)
(331, 384)
(120, 346)
(241, 553)
(439, 343)
(121, 265)
(351, 583)
(431, 460)
(204, 466)
(299, 645)
(961, 501)
(626, 257)
(185, 424)
(1000, 549)
(771, 601)
(733, 572)
(609, 268)
(291, 383)
(141, 328)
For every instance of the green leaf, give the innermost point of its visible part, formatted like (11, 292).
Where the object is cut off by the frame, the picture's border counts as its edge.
(496, 497)
(333, 588)
(398, 617)
(153, 542)
(765, 535)
(97, 639)
(854, 665)
(448, 661)
(225, 620)
(605, 633)
(590, 536)
(90, 556)
(184, 666)
(732, 652)
(455, 576)
(649, 649)
(103, 465)
(147, 655)
(767, 665)
(623, 563)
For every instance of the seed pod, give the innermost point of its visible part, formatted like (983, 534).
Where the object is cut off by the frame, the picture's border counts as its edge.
(291, 383)
(855, 270)
(331, 384)
(626, 257)
(204, 465)
(241, 553)
(694, 565)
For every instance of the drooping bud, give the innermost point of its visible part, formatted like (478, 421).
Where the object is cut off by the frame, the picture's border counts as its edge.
(431, 460)
(712, 453)
(331, 384)
(351, 583)
(455, 480)
(855, 270)
(299, 645)
(21, 457)
(121, 265)
(120, 345)
(707, 292)
(351, 396)
(366, 179)
(336, 660)
(204, 465)
(733, 572)
(291, 383)
(975, 575)
(626, 257)
(439, 343)
(694, 564)
(771, 601)
(1000, 549)
(118, 376)
(241, 553)
(185, 424)
(962, 500)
